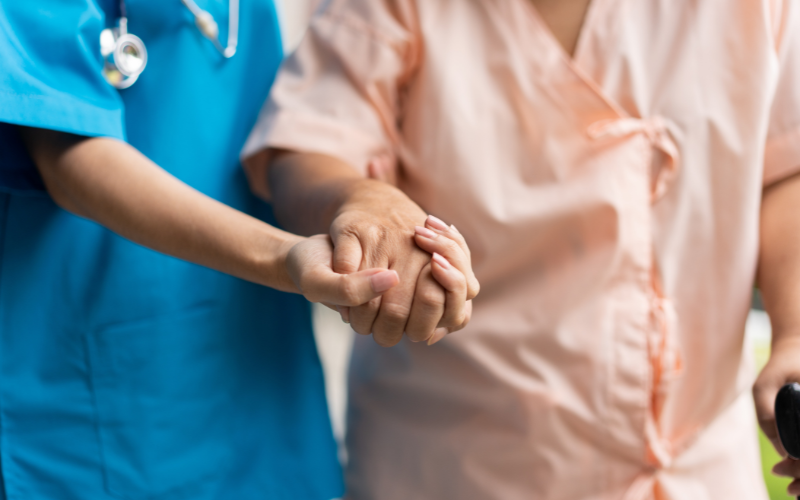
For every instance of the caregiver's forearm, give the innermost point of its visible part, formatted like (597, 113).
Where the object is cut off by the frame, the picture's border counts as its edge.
(113, 184)
(779, 260)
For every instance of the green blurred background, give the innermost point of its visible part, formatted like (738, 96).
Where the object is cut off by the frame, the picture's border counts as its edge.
(775, 485)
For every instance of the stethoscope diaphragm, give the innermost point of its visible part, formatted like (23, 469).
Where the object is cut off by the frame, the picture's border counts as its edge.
(125, 56)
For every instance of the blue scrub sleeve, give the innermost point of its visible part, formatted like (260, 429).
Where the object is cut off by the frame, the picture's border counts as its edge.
(51, 77)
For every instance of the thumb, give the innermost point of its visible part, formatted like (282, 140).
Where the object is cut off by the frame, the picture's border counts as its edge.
(348, 290)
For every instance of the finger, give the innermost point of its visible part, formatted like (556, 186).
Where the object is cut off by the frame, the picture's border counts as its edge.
(362, 318)
(455, 287)
(323, 285)
(347, 253)
(344, 312)
(389, 322)
(441, 333)
(396, 304)
(437, 224)
(435, 243)
(788, 467)
(438, 335)
(764, 394)
(794, 488)
(467, 318)
(428, 307)
(454, 248)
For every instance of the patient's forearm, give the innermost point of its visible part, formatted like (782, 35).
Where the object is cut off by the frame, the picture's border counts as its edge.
(779, 262)
(113, 184)
(310, 190)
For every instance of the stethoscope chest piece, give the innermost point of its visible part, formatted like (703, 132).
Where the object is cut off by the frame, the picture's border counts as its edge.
(124, 54)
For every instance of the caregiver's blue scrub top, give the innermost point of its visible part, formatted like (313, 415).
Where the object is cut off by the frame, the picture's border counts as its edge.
(126, 374)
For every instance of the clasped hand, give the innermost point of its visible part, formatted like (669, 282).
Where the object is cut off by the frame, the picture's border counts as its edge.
(389, 270)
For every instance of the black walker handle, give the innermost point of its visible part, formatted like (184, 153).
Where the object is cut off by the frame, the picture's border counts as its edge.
(787, 419)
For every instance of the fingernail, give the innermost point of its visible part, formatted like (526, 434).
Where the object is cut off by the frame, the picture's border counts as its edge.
(425, 232)
(438, 335)
(437, 223)
(441, 260)
(453, 227)
(383, 281)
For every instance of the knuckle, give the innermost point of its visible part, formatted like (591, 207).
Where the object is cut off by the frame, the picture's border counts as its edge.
(344, 225)
(349, 293)
(450, 322)
(395, 313)
(373, 234)
(452, 247)
(363, 316)
(460, 284)
(431, 298)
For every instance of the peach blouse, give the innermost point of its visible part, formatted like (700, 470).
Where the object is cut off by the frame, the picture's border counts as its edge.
(611, 201)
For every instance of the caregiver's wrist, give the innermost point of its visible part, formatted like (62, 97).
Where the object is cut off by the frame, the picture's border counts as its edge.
(269, 260)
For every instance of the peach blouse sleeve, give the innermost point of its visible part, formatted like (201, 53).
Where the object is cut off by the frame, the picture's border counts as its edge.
(338, 94)
(782, 155)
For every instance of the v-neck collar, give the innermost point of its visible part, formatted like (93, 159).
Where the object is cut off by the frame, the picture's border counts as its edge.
(554, 52)
(587, 26)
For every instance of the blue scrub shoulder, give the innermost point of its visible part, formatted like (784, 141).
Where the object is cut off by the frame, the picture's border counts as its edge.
(52, 79)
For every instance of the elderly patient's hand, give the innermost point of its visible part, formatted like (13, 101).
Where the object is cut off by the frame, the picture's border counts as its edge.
(376, 229)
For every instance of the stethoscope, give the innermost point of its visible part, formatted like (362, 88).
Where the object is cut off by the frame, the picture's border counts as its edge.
(126, 56)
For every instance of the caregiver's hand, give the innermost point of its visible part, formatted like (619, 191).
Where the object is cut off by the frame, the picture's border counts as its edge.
(375, 228)
(783, 368)
(371, 225)
(309, 264)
